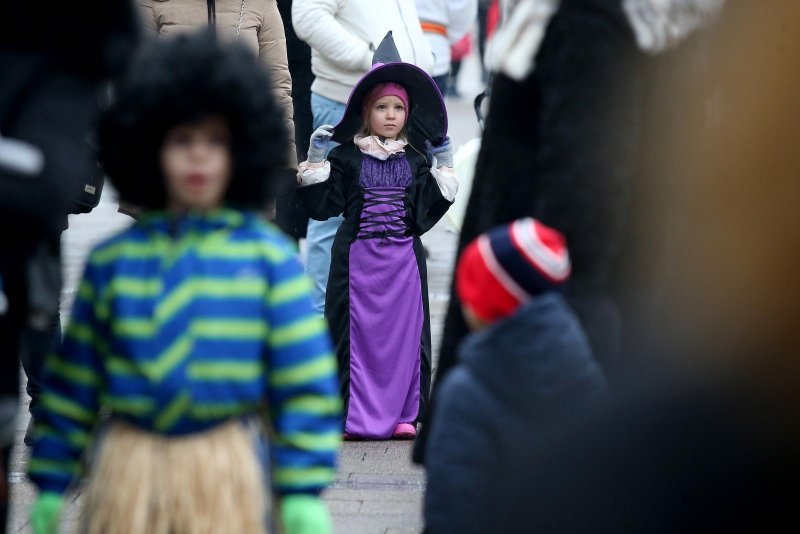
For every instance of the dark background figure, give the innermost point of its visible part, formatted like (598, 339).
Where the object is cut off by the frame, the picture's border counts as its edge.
(572, 164)
(490, 12)
(483, 35)
(525, 368)
(704, 437)
(458, 52)
(41, 334)
(48, 95)
(290, 215)
(261, 26)
(560, 165)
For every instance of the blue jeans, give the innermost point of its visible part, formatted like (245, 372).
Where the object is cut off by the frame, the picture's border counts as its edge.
(321, 233)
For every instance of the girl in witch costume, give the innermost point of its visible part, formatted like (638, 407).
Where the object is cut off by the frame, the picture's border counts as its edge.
(390, 193)
(193, 326)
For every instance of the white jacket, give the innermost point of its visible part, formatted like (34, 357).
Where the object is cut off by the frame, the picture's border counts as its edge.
(343, 35)
(456, 16)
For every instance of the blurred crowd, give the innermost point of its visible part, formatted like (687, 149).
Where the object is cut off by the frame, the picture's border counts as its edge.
(619, 347)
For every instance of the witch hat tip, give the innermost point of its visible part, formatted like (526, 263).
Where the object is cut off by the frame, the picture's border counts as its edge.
(387, 51)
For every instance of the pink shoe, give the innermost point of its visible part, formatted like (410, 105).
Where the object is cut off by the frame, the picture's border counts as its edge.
(405, 431)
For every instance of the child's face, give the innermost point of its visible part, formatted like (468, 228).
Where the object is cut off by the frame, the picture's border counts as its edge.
(387, 116)
(196, 162)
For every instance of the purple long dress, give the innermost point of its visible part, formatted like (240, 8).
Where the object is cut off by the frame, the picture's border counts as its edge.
(376, 302)
(386, 312)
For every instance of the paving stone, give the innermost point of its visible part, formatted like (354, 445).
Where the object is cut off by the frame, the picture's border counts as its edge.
(343, 507)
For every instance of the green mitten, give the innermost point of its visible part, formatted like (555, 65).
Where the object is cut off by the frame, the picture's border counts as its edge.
(304, 514)
(45, 511)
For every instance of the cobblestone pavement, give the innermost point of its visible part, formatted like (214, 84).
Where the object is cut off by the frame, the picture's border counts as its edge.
(377, 490)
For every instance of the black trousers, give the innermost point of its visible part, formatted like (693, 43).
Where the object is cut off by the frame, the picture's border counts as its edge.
(52, 110)
(41, 334)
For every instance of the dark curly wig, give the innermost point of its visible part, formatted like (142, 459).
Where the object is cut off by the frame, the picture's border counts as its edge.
(182, 80)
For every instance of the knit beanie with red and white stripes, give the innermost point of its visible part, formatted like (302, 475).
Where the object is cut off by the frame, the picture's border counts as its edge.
(510, 265)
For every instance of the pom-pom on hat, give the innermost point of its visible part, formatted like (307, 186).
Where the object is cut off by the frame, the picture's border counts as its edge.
(427, 114)
(509, 266)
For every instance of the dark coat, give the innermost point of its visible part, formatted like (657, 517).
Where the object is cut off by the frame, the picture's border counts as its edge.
(53, 57)
(569, 164)
(289, 213)
(90, 39)
(688, 454)
(341, 193)
(514, 380)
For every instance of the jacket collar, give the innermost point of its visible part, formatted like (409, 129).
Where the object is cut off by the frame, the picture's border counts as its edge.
(175, 225)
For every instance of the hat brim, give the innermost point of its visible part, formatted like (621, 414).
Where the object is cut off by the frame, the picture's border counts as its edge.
(428, 115)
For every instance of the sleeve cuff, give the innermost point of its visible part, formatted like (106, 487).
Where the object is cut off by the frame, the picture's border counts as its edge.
(447, 181)
(313, 173)
(50, 485)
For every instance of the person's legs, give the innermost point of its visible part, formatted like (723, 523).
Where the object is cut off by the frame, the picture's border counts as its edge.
(42, 333)
(320, 234)
(5, 459)
(443, 82)
(54, 116)
(455, 68)
(12, 318)
(483, 35)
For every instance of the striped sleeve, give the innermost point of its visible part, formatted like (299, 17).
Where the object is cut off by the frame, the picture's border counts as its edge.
(71, 383)
(303, 386)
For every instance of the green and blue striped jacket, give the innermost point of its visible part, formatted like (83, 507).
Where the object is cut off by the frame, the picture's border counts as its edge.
(182, 323)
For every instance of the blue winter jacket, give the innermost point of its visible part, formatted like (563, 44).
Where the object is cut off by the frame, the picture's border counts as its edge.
(514, 381)
(183, 323)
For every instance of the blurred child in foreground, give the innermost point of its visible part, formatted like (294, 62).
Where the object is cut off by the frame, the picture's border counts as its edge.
(526, 365)
(193, 327)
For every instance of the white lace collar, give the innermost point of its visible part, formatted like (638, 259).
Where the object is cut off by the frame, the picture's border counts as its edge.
(373, 146)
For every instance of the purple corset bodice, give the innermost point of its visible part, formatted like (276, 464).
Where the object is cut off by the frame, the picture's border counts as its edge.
(383, 209)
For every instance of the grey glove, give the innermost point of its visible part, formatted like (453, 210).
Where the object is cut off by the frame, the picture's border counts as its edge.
(443, 153)
(319, 143)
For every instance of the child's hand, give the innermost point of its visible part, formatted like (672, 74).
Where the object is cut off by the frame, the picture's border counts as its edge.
(304, 514)
(442, 152)
(319, 143)
(45, 511)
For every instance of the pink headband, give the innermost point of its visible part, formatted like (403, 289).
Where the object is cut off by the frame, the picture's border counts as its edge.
(381, 90)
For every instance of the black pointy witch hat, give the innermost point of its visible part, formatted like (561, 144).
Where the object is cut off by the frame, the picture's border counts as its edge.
(427, 113)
